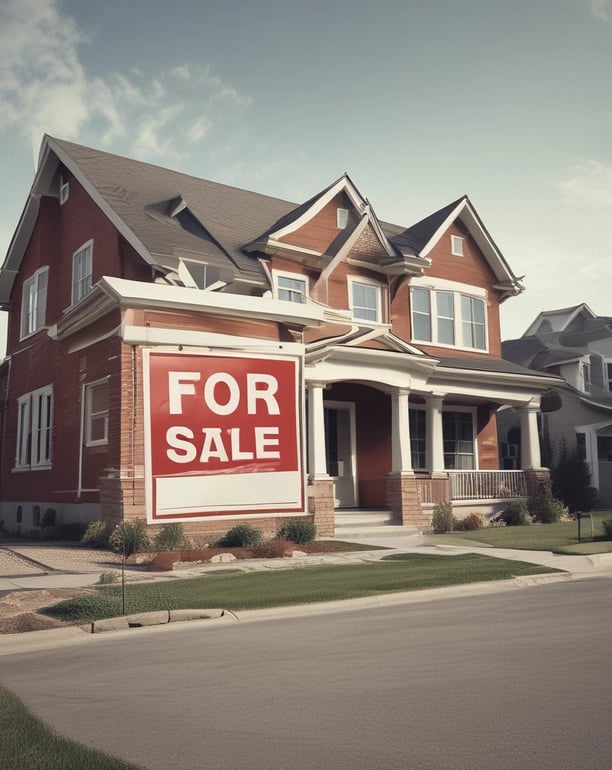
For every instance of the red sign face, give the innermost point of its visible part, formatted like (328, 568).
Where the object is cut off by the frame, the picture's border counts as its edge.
(223, 435)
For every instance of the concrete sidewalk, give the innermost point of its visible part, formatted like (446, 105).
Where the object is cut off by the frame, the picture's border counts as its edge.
(35, 565)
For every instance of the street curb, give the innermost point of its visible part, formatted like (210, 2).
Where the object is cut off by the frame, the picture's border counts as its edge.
(156, 618)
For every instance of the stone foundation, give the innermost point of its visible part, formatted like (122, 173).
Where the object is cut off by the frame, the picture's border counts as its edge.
(403, 500)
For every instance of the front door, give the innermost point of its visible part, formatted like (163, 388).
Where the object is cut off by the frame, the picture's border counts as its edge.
(340, 450)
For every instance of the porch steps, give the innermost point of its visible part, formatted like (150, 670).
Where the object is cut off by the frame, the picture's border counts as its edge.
(359, 523)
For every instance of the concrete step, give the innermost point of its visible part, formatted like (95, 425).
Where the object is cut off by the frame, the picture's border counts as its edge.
(364, 523)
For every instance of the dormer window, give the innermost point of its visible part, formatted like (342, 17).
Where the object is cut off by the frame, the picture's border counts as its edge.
(456, 246)
(342, 218)
(291, 288)
(64, 190)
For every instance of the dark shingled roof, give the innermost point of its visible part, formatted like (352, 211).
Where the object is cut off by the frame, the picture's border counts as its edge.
(500, 365)
(415, 238)
(140, 193)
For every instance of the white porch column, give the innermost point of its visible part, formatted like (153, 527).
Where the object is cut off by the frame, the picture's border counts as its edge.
(530, 441)
(317, 459)
(434, 442)
(400, 432)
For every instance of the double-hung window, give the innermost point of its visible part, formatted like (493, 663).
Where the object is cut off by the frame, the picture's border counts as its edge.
(34, 425)
(366, 300)
(34, 303)
(608, 375)
(448, 318)
(291, 288)
(81, 271)
(96, 413)
(459, 446)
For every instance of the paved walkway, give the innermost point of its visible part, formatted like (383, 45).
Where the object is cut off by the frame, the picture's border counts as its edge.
(36, 565)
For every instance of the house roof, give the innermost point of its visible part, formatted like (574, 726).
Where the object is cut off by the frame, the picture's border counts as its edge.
(168, 216)
(559, 320)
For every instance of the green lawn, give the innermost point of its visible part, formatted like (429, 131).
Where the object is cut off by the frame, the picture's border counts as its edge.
(560, 537)
(242, 591)
(26, 743)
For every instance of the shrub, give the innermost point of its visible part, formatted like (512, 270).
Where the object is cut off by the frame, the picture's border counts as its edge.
(171, 537)
(546, 509)
(97, 534)
(108, 577)
(607, 528)
(49, 533)
(515, 514)
(468, 524)
(442, 519)
(241, 536)
(48, 519)
(298, 532)
(571, 479)
(129, 537)
(71, 530)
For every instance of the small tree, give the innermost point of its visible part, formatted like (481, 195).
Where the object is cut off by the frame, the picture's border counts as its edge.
(571, 482)
(442, 519)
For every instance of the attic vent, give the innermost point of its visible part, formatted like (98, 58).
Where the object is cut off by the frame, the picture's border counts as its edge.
(64, 191)
(342, 218)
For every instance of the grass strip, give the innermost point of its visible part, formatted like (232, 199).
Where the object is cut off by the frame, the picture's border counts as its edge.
(27, 743)
(256, 590)
(558, 537)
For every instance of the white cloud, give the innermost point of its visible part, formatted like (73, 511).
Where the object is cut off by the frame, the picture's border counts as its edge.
(590, 183)
(602, 9)
(45, 87)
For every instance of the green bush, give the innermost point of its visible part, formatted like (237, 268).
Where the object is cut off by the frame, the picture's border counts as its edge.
(298, 532)
(108, 577)
(571, 482)
(468, 524)
(607, 528)
(241, 536)
(97, 534)
(546, 509)
(442, 519)
(129, 537)
(171, 537)
(49, 533)
(515, 514)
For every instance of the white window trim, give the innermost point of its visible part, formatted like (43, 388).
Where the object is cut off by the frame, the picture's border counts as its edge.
(456, 245)
(458, 290)
(26, 418)
(382, 299)
(342, 216)
(88, 414)
(64, 190)
(40, 304)
(276, 274)
(606, 377)
(87, 245)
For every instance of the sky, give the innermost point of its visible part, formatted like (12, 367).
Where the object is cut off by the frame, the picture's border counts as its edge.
(419, 101)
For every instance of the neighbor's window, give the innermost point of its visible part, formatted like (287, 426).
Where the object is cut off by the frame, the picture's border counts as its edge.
(34, 303)
(608, 375)
(34, 423)
(96, 413)
(586, 378)
(81, 271)
(366, 300)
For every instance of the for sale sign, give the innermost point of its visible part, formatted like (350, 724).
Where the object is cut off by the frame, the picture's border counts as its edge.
(222, 435)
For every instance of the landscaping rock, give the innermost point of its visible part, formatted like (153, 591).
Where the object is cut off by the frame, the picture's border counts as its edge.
(223, 558)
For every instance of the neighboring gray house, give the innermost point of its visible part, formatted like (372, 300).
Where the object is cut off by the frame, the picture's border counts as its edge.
(575, 344)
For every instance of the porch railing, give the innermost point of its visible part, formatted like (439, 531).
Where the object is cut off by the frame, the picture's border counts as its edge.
(472, 485)
(487, 485)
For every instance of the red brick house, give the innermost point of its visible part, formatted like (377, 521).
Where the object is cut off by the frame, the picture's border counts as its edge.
(183, 350)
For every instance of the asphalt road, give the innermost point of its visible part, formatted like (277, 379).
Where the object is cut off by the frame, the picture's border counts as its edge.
(513, 680)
